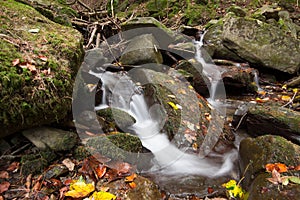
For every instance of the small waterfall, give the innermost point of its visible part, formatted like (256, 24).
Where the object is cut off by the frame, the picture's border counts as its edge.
(168, 159)
(210, 70)
(256, 80)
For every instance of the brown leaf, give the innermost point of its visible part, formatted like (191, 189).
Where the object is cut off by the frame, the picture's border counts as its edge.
(276, 179)
(69, 164)
(132, 185)
(15, 62)
(4, 174)
(4, 186)
(43, 58)
(14, 166)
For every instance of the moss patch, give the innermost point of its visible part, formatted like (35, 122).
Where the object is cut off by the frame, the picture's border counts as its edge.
(38, 62)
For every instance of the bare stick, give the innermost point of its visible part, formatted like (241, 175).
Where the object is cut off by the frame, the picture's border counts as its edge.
(92, 37)
(98, 40)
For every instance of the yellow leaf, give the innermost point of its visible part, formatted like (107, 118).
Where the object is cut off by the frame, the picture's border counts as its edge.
(295, 90)
(80, 189)
(285, 98)
(284, 87)
(234, 190)
(173, 105)
(102, 196)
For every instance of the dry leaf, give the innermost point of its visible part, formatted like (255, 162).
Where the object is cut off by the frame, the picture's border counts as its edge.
(132, 185)
(43, 58)
(279, 167)
(4, 174)
(102, 196)
(4, 186)
(276, 179)
(69, 164)
(173, 105)
(15, 62)
(13, 167)
(285, 98)
(130, 178)
(100, 170)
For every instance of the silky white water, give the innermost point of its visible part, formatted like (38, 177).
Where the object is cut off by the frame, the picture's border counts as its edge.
(168, 159)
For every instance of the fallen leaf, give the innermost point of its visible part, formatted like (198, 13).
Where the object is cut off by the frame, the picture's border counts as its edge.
(16, 62)
(181, 91)
(132, 185)
(4, 174)
(172, 96)
(285, 98)
(43, 58)
(102, 196)
(4, 186)
(69, 164)
(297, 168)
(13, 167)
(233, 189)
(210, 190)
(130, 178)
(80, 189)
(173, 105)
(276, 179)
(295, 90)
(34, 30)
(259, 100)
(100, 170)
(279, 167)
(295, 179)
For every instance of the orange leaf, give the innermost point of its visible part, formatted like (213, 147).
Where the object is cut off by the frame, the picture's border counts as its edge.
(132, 185)
(100, 170)
(130, 178)
(285, 98)
(277, 166)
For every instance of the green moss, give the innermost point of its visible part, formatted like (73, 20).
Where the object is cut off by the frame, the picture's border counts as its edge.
(32, 98)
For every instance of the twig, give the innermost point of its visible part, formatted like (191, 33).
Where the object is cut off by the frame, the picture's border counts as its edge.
(291, 101)
(84, 5)
(109, 48)
(92, 37)
(98, 40)
(112, 8)
(241, 120)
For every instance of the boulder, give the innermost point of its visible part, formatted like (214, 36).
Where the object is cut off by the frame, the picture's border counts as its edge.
(145, 189)
(55, 139)
(256, 42)
(255, 153)
(142, 49)
(273, 120)
(39, 60)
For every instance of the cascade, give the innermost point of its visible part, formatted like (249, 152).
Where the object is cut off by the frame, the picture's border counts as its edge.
(168, 159)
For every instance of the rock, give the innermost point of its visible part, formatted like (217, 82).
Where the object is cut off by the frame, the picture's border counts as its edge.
(142, 49)
(262, 120)
(37, 69)
(255, 153)
(181, 187)
(145, 189)
(119, 146)
(254, 41)
(267, 12)
(238, 11)
(143, 25)
(55, 139)
(116, 118)
(261, 188)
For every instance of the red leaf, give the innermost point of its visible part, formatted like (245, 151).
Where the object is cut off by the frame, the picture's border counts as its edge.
(100, 170)
(4, 186)
(277, 166)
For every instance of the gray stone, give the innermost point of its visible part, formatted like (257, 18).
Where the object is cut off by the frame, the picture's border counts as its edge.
(255, 153)
(254, 41)
(55, 139)
(142, 50)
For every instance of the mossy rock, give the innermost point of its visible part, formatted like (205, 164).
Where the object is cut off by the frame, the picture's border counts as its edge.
(261, 188)
(116, 118)
(255, 153)
(36, 89)
(273, 120)
(55, 10)
(118, 146)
